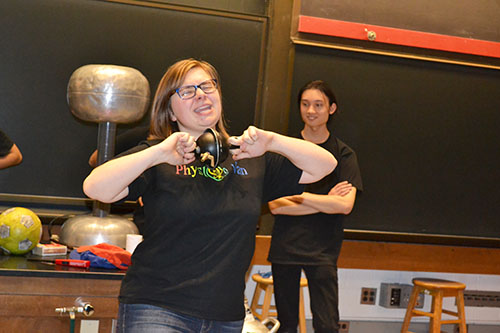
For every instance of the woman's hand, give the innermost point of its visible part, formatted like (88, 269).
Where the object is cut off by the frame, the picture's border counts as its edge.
(177, 149)
(109, 182)
(253, 142)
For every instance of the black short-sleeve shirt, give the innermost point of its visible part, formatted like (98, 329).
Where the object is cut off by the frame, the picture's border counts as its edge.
(316, 239)
(199, 232)
(5, 144)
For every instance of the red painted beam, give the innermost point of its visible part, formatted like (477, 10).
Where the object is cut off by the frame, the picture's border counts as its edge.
(329, 27)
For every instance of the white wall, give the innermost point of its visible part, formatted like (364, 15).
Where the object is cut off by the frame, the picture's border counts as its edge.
(352, 280)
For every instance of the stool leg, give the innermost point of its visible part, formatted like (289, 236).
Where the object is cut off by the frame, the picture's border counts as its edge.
(267, 301)
(409, 310)
(302, 312)
(255, 301)
(461, 311)
(437, 305)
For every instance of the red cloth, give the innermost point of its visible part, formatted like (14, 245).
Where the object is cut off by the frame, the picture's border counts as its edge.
(112, 253)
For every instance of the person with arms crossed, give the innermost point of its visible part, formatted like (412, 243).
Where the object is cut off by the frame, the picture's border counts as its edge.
(10, 155)
(188, 274)
(308, 229)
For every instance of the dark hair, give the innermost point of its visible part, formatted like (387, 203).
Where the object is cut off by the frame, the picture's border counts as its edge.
(161, 124)
(321, 86)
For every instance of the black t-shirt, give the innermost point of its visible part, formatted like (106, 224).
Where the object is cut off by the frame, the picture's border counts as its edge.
(199, 233)
(5, 144)
(316, 239)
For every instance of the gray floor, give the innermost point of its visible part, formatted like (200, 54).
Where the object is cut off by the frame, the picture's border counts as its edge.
(385, 327)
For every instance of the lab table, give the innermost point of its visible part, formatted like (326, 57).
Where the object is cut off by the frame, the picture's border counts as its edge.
(31, 291)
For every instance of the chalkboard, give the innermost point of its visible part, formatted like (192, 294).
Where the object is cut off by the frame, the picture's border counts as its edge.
(44, 41)
(426, 135)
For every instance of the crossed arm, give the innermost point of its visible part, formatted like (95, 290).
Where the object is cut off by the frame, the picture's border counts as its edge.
(340, 200)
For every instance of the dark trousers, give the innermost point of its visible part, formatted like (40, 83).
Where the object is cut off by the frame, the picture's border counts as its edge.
(323, 293)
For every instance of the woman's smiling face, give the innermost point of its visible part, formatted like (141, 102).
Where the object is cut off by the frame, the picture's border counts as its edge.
(196, 114)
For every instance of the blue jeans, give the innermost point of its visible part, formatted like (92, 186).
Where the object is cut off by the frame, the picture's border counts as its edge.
(145, 318)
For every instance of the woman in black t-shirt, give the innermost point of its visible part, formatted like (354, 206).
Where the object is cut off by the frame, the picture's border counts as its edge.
(199, 231)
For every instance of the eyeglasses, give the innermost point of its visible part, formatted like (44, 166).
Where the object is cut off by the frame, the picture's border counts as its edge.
(187, 92)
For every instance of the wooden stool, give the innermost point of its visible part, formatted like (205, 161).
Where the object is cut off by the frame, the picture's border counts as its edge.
(268, 310)
(437, 289)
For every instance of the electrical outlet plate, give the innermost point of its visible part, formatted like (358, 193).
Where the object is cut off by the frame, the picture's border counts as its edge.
(343, 327)
(396, 296)
(89, 326)
(368, 295)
